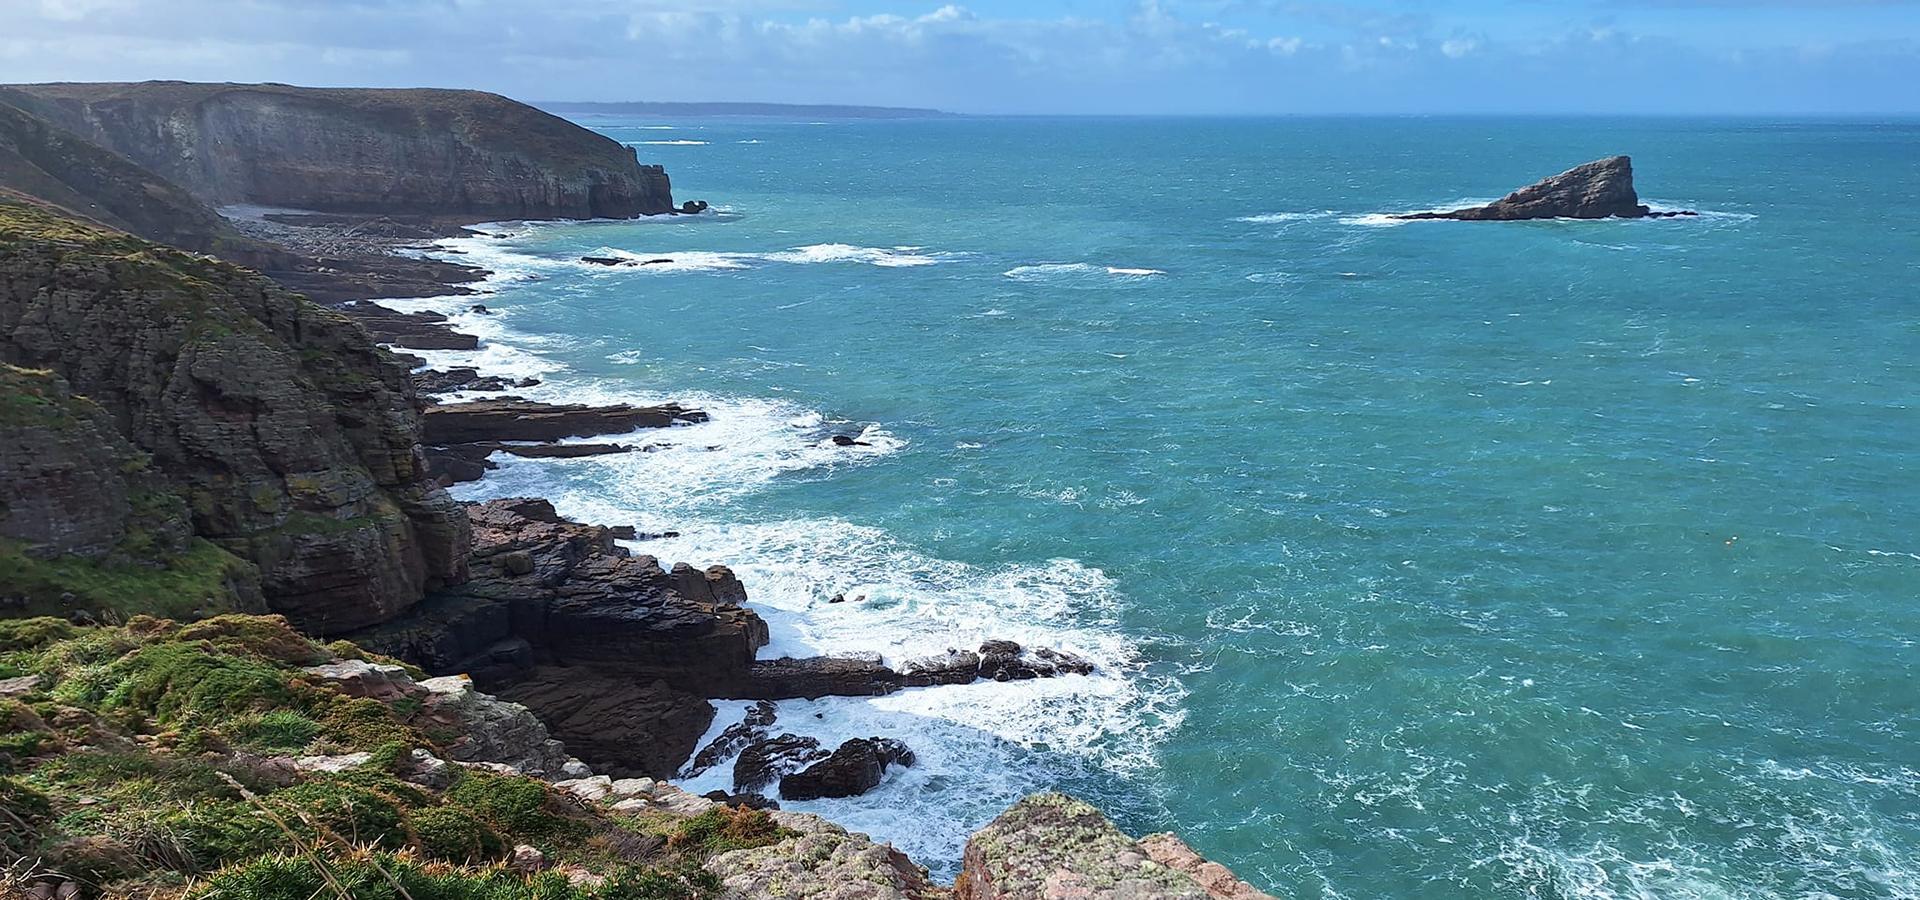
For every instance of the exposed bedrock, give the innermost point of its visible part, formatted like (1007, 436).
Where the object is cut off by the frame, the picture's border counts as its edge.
(1597, 190)
(854, 768)
(442, 153)
(414, 331)
(546, 589)
(289, 435)
(868, 676)
(510, 419)
(1052, 845)
(627, 729)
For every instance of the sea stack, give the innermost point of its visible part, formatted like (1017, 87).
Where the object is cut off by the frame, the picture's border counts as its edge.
(1602, 189)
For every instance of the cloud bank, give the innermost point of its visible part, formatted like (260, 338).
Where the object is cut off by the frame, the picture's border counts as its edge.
(1153, 56)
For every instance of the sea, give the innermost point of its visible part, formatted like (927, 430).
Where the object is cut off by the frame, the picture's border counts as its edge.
(1557, 559)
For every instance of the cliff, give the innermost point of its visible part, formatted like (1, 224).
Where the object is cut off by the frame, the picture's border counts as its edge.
(287, 433)
(462, 155)
(44, 161)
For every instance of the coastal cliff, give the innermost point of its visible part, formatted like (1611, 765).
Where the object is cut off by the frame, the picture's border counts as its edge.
(458, 155)
(287, 433)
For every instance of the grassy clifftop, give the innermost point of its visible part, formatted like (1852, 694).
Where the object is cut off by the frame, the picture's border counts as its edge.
(209, 760)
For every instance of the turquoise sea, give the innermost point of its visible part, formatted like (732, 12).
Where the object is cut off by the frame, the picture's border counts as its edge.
(1436, 559)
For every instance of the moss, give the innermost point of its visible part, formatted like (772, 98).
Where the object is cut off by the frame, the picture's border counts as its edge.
(456, 835)
(278, 730)
(355, 812)
(516, 806)
(23, 810)
(179, 682)
(267, 637)
(360, 723)
(724, 828)
(192, 583)
(384, 877)
(34, 633)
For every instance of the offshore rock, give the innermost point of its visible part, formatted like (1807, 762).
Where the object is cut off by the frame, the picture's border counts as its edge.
(1052, 845)
(453, 154)
(768, 760)
(732, 740)
(287, 432)
(855, 768)
(1597, 190)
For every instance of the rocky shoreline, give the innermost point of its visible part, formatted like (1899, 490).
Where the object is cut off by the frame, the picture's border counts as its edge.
(189, 444)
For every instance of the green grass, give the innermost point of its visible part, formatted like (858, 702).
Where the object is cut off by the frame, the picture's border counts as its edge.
(196, 582)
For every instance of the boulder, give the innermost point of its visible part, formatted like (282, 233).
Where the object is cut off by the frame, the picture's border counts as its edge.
(1597, 190)
(733, 739)
(768, 760)
(855, 768)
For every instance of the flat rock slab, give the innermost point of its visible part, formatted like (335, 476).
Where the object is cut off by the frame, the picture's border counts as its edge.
(511, 419)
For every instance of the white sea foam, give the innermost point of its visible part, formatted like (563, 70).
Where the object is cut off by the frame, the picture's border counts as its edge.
(669, 261)
(979, 746)
(1281, 217)
(1078, 271)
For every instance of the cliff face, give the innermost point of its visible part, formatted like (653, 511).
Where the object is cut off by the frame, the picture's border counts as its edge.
(42, 160)
(454, 154)
(287, 432)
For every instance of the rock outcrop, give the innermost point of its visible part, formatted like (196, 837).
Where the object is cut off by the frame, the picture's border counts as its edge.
(1597, 190)
(546, 589)
(628, 729)
(854, 768)
(821, 861)
(287, 432)
(510, 419)
(867, 676)
(450, 154)
(414, 331)
(1054, 846)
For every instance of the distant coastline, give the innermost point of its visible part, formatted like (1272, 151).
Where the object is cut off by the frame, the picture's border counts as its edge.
(782, 110)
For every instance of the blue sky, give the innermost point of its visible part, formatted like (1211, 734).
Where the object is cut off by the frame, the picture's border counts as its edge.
(1039, 56)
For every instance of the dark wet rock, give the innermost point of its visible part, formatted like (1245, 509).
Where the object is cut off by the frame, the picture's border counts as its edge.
(1007, 661)
(458, 378)
(733, 739)
(510, 419)
(820, 676)
(456, 463)
(841, 440)
(416, 330)
(659, 261)
(1596, 190)
(619, 727)
(606, 260)
(768, 760)
(692, 207)
(855, 768)
(954, 667)
(479, 309)
(750, 801)
(579, 599)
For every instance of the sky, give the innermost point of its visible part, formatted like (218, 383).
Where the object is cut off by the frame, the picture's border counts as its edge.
(1245, 57)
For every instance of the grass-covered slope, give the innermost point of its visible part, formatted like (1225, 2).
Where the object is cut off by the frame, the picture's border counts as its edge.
(205, 760)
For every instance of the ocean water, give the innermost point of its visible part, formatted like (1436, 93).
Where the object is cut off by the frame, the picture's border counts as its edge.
(1556, 559)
